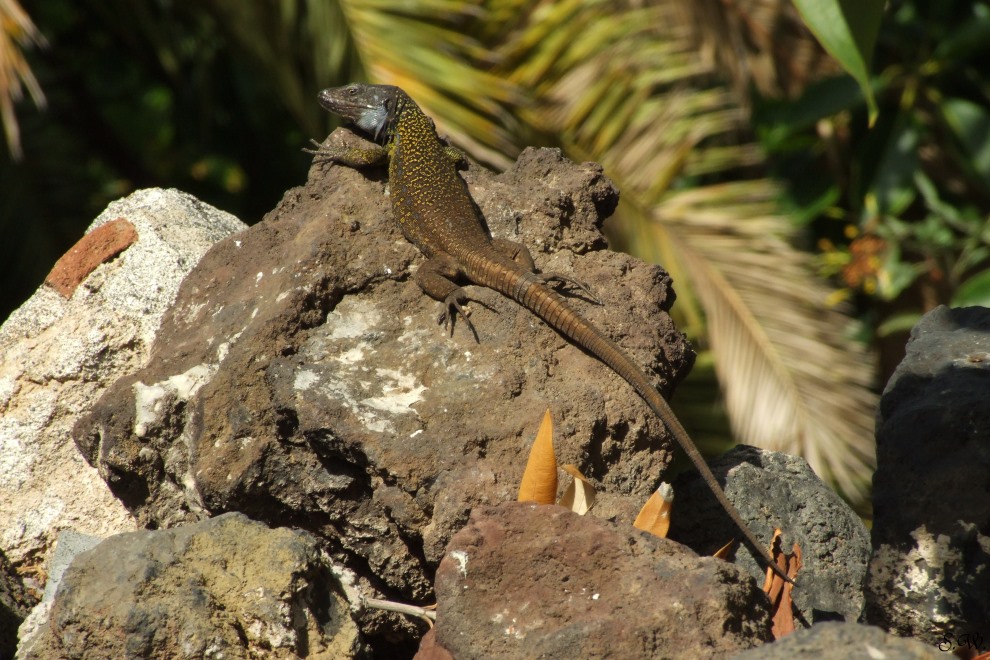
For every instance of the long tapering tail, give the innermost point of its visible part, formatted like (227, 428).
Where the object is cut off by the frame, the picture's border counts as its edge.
(530, 292)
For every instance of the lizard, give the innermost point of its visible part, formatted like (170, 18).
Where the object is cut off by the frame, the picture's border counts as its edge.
(434, 210)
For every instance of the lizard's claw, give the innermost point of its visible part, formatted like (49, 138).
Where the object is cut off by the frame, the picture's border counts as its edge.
(560, 281)
(451, 309)
(319, 147)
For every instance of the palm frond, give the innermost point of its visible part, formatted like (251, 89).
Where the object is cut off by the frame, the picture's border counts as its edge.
(439, 65)
(623, 83)
(755, 43)
(635, 96)
(783, 356)
(16, 32)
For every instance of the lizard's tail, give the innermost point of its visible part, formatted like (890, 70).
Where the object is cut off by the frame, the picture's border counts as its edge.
(530, 292)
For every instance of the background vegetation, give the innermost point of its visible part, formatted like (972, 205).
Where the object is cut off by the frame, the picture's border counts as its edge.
(804, 241)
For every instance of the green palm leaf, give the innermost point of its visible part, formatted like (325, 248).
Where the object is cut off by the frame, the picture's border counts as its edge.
(641, 102)
(438, 64)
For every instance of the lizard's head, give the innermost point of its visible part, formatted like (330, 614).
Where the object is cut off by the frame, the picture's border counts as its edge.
(370, 107)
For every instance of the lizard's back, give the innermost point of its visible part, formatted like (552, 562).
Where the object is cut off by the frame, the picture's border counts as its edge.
(429, 198)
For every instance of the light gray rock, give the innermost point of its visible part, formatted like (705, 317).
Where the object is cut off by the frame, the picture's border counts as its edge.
(835, 640)
(774, 490)
(58, 355)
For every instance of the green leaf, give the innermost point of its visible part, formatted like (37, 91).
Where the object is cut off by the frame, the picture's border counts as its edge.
(893, 183)
(896, 275)
(929, 192)
(848, 30)
(967, 40)
(821, 99)
(971, 124)
(974, 291)
(898, 323)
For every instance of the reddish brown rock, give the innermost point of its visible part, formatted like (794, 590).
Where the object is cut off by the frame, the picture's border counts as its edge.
(532, 581)
(430, 650)
(98, 246)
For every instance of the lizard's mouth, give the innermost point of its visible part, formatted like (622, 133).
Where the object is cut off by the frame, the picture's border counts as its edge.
(336, 105)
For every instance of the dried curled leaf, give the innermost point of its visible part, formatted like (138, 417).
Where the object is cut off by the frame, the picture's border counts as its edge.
(654, 517)
(779, 591)
(579, 496)
(539, 481)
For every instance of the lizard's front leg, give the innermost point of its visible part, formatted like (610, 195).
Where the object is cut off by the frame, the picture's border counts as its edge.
(522, 256)
(350, 156)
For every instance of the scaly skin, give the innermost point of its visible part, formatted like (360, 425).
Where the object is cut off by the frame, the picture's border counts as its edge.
(432, 205)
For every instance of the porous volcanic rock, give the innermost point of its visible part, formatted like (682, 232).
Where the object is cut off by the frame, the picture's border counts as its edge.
(225, 587)
(301, 378)
(778, 491)
(531, 581)
(929, 576)
(834, 640)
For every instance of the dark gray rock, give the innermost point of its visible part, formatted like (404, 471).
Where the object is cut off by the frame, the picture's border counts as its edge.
(529, 581)
(301, 378)
(773, 490)
(929, 577)
(226, 587)
(841, 641)
(15, 601)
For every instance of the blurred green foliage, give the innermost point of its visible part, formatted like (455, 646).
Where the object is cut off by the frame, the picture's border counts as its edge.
(139, 94)
(900, 211)
(848, 30)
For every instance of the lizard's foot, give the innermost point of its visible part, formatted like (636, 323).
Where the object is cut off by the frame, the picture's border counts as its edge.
(456, 156)
(319, 151)
(452, 308)
(560, 281)
(350, 156)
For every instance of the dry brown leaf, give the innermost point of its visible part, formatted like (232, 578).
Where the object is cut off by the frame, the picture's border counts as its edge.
(539, 481)
(654, 517)
(778, 591)
(723, 552)
(579, 496)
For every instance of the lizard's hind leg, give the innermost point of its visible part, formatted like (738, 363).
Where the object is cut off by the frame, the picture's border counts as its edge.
(559, 282)
(436, 277)
(521, 255)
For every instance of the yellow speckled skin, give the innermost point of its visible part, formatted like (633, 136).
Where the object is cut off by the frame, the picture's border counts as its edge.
(436, 218)
(432, 205)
